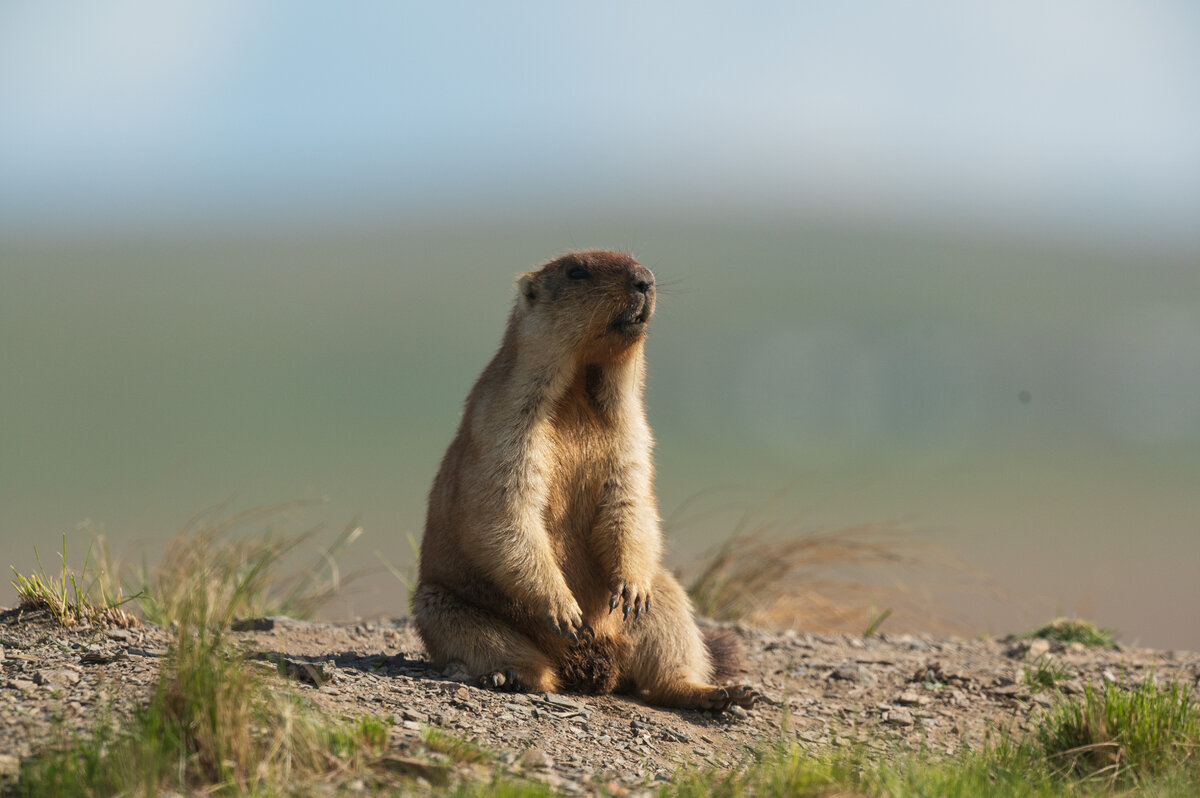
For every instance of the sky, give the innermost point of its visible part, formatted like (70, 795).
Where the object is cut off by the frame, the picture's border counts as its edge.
(140, 115)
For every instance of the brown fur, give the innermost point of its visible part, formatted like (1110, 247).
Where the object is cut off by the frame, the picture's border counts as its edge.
(542, 517)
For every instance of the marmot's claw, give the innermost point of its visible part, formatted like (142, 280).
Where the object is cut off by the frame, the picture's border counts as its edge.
(743, 695)
(626, 610)
(505, 681)
(588, 633)
(612, 603)
(574, 637)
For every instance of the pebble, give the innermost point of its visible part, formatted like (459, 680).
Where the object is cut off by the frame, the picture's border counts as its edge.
(1010, 689)
(852, 672)
(10, 766)
(556, 700)
(580, 743)
(911, 698)
(56, 677)
(536, 758)
(252, 624)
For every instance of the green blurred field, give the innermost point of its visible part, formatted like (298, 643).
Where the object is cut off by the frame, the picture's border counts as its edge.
(1034, 410)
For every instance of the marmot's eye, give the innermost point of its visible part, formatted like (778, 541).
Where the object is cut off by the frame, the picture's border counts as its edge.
(578, 273)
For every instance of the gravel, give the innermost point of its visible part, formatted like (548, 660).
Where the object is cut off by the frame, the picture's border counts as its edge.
(898, 692)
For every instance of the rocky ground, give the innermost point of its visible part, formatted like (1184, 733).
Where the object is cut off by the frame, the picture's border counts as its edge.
(890, 692)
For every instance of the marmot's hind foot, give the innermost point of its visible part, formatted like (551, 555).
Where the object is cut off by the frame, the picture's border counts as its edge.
(743, 695)
(719, 699)
(505, 681)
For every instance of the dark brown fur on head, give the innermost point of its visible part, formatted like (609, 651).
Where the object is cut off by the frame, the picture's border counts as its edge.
(619, 290)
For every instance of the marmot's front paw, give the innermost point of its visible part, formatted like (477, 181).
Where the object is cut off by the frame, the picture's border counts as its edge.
(631, 596)
(565, 618)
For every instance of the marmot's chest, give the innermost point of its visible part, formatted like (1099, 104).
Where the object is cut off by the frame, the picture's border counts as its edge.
(583, 455)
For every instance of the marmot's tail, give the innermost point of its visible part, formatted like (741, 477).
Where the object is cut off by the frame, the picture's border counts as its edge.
(726, 652)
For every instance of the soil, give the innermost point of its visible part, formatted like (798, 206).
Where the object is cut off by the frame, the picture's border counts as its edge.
(889, 692)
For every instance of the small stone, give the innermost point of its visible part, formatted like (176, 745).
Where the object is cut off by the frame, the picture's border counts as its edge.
(119, 634)
(851, 672)
(737, 711)
(411, 725)
(413, 715)
(536, 758)
(10, 767)
(433, 773)
(56, 677)
(313, 673)
(556, 700)
(911, 698)
(911, 643)
(462, 694)
(1038, 648)
(898, 716)
(1010, 690)
(252, 624)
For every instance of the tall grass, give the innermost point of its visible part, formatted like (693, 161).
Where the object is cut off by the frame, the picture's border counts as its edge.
(770, 574)
(1124, 736)
(247, 575)
(210, 723)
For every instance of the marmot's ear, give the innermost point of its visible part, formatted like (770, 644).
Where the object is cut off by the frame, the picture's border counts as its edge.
(527, 285)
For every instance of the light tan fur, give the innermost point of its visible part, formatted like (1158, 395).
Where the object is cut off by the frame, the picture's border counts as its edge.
(541, 562)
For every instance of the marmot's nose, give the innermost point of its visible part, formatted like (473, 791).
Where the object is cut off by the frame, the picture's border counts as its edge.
(643, 280)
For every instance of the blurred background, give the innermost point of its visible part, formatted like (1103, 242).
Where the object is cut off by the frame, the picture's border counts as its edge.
(931, 267)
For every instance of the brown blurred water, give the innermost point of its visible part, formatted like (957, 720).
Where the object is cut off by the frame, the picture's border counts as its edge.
(1034, 409)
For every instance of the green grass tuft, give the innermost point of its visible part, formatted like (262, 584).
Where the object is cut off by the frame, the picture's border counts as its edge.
(91, 597)
(1073, 630)
(211, 723)
(1045, 674)
(1125, 736)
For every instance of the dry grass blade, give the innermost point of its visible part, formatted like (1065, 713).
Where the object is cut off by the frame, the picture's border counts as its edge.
(769, 574)
(749, 571)
(245, 575)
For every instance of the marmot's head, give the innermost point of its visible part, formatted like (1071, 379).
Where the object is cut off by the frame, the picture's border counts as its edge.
(598, 301)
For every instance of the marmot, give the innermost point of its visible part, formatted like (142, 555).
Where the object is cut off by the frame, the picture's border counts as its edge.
(542, 520)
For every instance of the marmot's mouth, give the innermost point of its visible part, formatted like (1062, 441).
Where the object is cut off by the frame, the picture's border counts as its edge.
(634, 319)
(631, 323)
